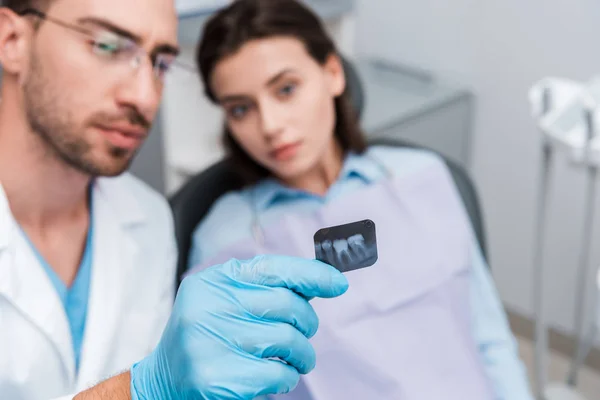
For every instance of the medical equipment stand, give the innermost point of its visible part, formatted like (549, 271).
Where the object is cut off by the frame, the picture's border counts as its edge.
(562, 391)
(540, 327)
(584, 345)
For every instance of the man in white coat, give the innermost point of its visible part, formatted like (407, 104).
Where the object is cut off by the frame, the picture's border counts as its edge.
(87, 252)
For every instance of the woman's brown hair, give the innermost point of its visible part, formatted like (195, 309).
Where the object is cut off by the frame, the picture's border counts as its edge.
(245, 20)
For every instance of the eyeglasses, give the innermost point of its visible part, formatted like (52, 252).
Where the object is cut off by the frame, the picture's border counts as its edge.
(117, 50)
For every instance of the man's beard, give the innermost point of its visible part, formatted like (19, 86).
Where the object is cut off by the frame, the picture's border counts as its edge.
(52, 120)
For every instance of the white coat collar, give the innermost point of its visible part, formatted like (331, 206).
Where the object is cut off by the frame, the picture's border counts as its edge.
(114, 191)
(116, 211)
(119, 196)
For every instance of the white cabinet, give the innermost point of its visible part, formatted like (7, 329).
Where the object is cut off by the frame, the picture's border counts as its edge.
(406, 103)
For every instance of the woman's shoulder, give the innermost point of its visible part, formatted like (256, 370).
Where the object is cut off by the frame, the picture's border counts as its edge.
(405, 160)
(227, 221)
(233, 206)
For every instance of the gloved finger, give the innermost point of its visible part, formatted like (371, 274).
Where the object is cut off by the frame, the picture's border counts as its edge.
(282, 341)
(309, 278)
(274, 377)
(283, 305)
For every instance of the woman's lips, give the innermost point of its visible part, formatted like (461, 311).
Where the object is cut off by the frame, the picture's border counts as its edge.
(285, 152)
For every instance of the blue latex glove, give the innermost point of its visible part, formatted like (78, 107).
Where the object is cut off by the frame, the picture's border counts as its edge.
(232, 327)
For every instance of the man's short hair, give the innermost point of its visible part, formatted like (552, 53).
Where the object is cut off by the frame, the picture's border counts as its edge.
(19, 6)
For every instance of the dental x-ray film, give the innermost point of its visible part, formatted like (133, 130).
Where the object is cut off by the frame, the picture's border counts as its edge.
(347, 247)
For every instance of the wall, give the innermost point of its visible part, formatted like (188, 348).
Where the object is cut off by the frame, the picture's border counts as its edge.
(499, 49)
(148, 165)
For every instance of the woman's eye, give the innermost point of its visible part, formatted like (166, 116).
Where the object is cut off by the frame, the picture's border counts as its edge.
(287, 90)
(238, 112)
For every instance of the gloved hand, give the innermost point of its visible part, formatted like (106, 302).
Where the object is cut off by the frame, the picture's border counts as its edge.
(238, 331)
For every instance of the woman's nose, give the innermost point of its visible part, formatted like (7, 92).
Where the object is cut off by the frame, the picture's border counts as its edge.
(272, 120)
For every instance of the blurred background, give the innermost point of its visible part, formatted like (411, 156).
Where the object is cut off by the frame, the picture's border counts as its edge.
(453, 75)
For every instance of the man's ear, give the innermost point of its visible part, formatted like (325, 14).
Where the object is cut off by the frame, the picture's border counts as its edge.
(335, 74)
(14, 38)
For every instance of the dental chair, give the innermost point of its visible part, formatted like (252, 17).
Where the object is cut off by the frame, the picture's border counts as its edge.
(191, 203)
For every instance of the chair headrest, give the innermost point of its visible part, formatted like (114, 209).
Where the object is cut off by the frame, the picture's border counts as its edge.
(355, 86)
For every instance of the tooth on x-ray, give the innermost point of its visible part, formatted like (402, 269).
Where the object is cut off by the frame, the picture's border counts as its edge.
(327, 248)
(357, 244)
(341, 251)
(318, 250)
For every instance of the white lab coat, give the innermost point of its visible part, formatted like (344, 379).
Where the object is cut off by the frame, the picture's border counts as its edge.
(131, 296)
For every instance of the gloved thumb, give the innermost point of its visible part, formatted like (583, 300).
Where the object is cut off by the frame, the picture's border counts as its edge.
(308, 278)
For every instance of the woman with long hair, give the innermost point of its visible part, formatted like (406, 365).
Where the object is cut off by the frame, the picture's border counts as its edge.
(424, 322)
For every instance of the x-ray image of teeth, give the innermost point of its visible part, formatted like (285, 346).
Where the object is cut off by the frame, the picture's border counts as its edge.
(346, 254)
(347, 247)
